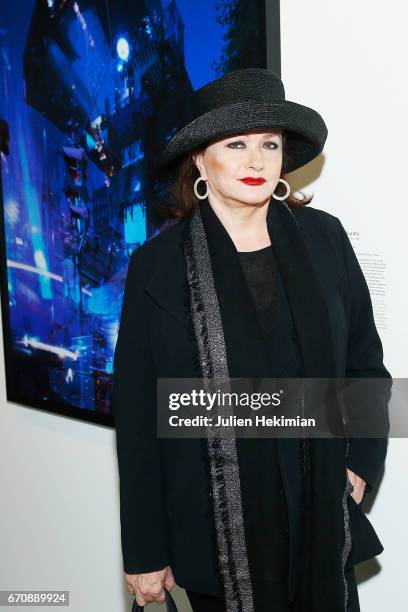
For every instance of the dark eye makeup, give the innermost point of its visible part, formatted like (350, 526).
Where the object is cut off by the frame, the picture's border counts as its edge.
(237, 142)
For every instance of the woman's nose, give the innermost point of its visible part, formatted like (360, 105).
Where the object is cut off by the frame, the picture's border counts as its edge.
(255, 160)
(256, 165)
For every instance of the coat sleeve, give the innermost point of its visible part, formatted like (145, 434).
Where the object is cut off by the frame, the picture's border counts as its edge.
(365, 360)
(142, 514)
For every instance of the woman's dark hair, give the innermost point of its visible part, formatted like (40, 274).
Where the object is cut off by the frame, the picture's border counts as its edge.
(181, 200)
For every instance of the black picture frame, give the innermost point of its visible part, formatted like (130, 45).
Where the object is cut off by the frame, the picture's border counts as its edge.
(26, 366)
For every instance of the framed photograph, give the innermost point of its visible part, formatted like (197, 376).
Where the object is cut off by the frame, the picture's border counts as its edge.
(90, 92)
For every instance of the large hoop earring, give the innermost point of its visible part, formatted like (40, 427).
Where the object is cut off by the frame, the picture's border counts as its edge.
(287, 192)
(199, 196)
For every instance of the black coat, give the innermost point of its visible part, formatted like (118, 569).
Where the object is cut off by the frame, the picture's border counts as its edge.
(164, 506)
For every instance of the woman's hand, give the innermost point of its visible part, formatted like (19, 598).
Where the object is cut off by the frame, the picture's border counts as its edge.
(149, 587)
(359, 486)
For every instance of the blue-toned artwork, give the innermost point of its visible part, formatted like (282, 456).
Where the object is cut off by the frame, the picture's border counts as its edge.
(90, 92)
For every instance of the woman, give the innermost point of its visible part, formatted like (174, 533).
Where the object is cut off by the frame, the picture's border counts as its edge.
(249, 283)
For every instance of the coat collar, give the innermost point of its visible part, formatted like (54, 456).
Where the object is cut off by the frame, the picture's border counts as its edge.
(308, 294)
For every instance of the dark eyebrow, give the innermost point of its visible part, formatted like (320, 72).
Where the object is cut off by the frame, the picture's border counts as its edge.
(263, 137)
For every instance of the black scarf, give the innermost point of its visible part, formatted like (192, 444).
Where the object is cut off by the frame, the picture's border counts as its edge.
(221, 304)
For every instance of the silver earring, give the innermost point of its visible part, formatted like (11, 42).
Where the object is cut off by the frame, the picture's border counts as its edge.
(286, 194)
(199, 196)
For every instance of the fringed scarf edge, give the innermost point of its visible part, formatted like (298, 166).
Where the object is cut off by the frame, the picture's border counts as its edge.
(222, 453)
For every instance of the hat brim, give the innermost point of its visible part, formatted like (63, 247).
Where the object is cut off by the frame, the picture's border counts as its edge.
(306, 132)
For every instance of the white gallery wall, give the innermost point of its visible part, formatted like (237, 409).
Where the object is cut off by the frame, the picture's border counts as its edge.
(346, 59)
(59, 525)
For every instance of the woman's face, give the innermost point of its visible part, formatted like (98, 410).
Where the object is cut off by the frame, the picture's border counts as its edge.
(254, 154)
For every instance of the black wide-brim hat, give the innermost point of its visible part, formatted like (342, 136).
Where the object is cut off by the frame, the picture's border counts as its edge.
(246, 99)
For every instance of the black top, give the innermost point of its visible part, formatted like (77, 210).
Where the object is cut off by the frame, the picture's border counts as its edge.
(260, 273)
(261, 485)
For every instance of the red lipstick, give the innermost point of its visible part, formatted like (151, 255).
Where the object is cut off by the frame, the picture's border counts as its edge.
(250, 180)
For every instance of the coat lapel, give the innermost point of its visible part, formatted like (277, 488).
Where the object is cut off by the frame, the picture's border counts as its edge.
(306, 298)
(167, 285)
